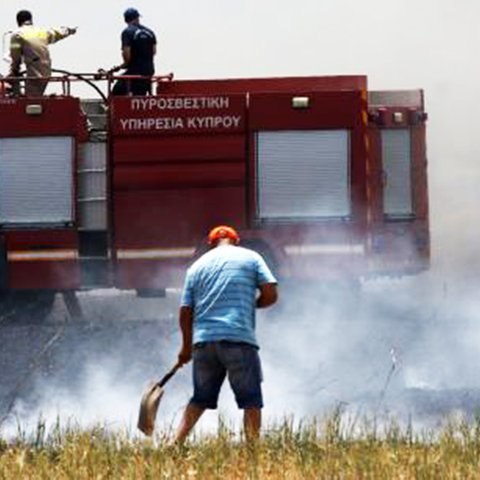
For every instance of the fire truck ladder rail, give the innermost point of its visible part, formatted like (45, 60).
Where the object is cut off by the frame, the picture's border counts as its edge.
(92, 199)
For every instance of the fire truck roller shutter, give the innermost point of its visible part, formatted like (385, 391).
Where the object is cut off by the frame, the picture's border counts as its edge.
(397, 171)
(36, 180)
(303, 174)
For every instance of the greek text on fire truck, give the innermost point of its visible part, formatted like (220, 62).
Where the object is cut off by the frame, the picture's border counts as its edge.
(173, 123)
(180, 103)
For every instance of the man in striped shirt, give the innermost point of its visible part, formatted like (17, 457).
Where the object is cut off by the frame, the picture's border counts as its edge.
(217, 319)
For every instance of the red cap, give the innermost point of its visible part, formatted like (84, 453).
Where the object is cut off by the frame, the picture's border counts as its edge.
(222, 231)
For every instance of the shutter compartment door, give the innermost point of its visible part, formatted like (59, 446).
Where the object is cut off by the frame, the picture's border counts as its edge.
(303, 174)
(397, 168)
(36, 183)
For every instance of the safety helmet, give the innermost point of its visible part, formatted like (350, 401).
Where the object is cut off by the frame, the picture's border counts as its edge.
(223, 231)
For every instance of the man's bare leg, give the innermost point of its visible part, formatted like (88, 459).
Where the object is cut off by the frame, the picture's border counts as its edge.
(189, 419)
(252, 421)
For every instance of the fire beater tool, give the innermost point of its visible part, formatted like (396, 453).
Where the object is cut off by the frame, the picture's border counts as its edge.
(150, 402)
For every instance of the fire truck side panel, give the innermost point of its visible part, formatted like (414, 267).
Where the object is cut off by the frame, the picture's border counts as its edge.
(179, 215)
(171, 178)
(189, 175)
(172, 224)
(420, 184)
(213, 114)
(50, 116)
(43, 259)
(51, 274)
(150, 272)
(179, 149)
(327, 244)
(400, 234)
(323, 110)
(41, 249)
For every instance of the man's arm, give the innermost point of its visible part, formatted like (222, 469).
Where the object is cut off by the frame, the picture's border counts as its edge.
(55, 34)
(268, 295)
(186, 326)
(127, 39)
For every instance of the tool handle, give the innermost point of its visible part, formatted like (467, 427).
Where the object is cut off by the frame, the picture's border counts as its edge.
(169, 375)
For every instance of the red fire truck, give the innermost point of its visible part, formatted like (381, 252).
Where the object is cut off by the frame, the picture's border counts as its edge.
(323, 177)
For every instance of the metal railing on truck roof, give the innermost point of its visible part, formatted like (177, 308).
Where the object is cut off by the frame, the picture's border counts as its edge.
(12, 86)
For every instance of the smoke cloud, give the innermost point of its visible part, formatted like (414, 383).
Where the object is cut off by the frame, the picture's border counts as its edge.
(405, 347)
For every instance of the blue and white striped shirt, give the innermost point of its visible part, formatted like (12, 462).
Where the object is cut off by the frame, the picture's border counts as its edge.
(221, 289)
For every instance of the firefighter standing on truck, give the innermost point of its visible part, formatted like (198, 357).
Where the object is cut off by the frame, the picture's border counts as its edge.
(217, 319)
(139, 46)
(29, 44)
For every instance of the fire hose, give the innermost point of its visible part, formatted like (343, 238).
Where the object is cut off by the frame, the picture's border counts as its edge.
(86, 80)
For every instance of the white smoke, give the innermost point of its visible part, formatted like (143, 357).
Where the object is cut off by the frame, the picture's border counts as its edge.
(366, 352)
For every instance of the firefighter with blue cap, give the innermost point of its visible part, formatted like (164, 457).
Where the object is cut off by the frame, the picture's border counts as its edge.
(139, 46)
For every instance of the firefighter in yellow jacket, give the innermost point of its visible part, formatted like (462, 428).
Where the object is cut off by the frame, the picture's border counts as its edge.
(29, 44)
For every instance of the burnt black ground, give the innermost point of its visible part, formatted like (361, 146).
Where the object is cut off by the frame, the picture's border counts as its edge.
(53, 352)
(371, 353)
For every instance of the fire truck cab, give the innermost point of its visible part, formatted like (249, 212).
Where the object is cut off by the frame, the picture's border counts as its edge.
(323, 177)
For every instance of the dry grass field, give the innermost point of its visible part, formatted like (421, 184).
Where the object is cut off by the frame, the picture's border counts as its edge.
(317, 450)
